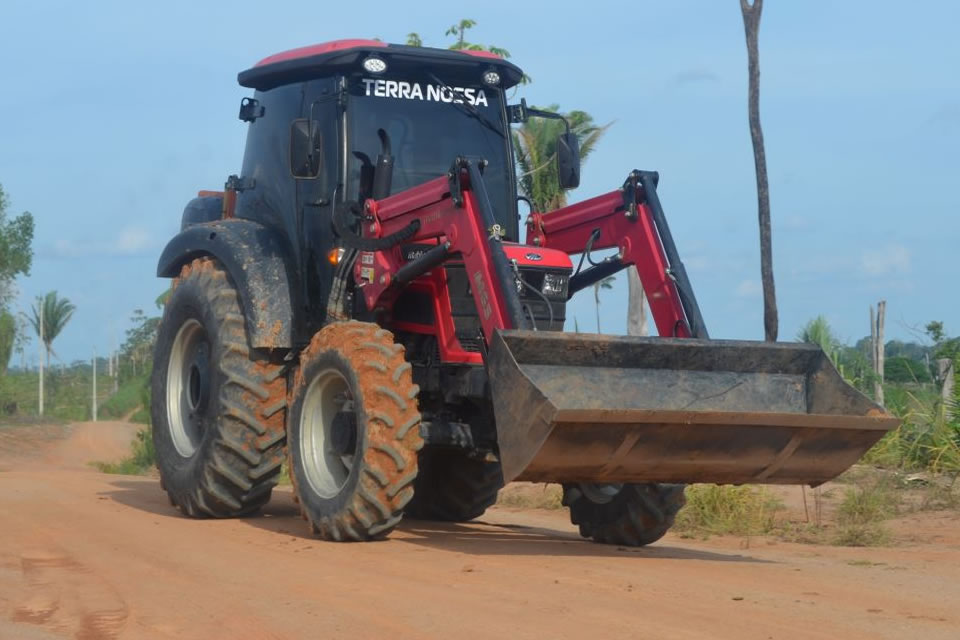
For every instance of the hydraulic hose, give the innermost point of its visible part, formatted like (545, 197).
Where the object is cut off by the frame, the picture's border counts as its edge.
(353, 241)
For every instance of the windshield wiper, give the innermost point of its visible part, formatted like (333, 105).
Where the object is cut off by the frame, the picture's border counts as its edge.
(465, 107)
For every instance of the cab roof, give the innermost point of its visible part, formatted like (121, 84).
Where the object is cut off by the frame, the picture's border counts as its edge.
(326, 58)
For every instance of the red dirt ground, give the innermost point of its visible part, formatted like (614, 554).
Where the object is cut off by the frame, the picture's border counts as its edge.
(88, 555)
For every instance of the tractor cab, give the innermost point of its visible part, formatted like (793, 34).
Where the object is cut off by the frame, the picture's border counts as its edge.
(365, 119)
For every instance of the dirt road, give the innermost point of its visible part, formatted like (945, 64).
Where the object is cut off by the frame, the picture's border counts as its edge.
(87, 555)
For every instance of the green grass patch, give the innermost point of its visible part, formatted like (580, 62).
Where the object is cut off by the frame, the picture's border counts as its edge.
(862, 512)
(143, 457)
(727, 509)
(126, 399)
(928, 439)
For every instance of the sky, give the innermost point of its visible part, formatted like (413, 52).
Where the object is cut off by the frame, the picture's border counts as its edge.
(114, 114)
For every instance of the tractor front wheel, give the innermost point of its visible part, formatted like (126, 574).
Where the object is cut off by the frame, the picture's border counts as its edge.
(624, 514)
(354, 432)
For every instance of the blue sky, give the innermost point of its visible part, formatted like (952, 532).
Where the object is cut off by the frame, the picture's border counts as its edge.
(113, 114)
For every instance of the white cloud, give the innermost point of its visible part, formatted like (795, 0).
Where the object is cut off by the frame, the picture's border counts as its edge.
(694, 76)
(131, 240)
(749, 289)
(894, 259)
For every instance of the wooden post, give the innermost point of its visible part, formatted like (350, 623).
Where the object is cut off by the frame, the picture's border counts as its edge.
(94, 405)
(636, 304)
(945, 373)
(877, 349)
(40, 303)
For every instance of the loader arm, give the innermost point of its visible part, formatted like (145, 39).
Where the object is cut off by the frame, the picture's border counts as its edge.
(455, 212)
(631, 220)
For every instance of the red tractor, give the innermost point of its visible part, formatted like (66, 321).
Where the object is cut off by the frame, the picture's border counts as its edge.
(358, 302)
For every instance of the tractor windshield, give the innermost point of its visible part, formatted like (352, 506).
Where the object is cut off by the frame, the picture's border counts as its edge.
(430, 122)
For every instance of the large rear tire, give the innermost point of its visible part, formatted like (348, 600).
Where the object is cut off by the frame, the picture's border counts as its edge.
(454, 487)
(631, 515)
(217, 406)
(354, 432)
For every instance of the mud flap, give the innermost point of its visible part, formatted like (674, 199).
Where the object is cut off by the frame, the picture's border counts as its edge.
(595, 408)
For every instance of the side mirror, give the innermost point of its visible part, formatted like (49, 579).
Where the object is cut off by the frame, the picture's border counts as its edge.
(568, 160)
(305, 148)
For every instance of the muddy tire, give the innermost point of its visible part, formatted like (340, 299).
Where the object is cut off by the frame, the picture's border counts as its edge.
(631, 514)
(217, 406)
(453, 487)
(354, 432)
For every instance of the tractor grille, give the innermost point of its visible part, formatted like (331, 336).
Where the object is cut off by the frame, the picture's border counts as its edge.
(467, 322)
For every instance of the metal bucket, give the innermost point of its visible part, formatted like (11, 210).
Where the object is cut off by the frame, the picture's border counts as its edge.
(608, 409)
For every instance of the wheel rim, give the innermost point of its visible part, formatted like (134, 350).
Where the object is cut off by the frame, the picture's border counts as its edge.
(326, 468)
(188, 387)
(600, 493)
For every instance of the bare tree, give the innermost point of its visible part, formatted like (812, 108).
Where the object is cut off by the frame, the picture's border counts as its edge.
(751, 26)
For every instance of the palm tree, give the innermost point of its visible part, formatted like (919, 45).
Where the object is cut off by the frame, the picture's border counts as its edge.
(606, 283)
(56, 312)
(819, 332)
(536, 145)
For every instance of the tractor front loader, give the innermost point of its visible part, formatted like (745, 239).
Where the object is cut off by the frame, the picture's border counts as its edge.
(358, 303)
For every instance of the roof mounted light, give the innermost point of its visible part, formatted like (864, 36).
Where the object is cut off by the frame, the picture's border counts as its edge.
(491, 78)
(374, 64)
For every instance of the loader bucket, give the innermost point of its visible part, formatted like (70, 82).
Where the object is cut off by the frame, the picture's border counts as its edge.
(610, 409)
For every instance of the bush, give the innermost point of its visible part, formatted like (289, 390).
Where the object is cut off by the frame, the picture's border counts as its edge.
(904, 370)
(720, 509)
(928, 439)
(863, 509)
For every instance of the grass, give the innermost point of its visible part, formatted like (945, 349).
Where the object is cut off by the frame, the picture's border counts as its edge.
(67, 395)
(726, 509)
(928, 439)
(127, 398)
(142, 459)
(863, 510)
(531, 496)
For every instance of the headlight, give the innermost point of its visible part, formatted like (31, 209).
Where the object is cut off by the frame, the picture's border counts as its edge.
(375, 65)
(555, 285)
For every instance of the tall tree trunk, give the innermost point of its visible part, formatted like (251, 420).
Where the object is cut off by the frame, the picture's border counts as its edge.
(751, 26)
(636, 307)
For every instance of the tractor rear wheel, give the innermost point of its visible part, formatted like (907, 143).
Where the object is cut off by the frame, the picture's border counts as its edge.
(454, 487)
(217, 405)
(354, 432)
(624, 514)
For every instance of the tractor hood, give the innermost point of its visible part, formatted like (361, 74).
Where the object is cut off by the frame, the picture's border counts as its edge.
(344, 56)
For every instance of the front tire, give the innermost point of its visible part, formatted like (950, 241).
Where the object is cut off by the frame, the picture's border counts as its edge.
(631, 515)
(217, 406)
(354, 432)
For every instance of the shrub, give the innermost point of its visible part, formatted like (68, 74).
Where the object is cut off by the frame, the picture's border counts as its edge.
(720, 509)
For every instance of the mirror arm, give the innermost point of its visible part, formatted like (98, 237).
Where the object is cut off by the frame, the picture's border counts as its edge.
(521, 113)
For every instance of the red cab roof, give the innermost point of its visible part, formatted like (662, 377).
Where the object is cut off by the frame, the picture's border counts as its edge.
(328, 57)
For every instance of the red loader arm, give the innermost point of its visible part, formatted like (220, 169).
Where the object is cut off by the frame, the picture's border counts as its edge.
(631, 220)
(455, 212)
